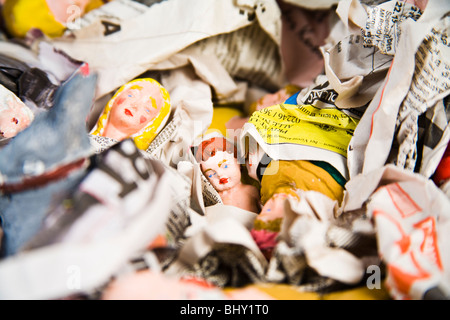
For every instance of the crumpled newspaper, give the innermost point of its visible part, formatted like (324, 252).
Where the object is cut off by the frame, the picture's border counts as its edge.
(410, 215)
(409, 109)
(377, 60)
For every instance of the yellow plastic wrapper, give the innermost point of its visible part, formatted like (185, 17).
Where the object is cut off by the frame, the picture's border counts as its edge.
(329, 129)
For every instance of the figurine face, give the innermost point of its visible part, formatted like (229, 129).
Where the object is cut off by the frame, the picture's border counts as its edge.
(222, 170)
(274, 207)
(134, 108)
(139, 109)
(14, 114)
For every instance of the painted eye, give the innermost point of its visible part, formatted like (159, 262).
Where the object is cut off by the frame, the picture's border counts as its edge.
(130, 95)
(212, 175)
(148, 110)
(226, 166)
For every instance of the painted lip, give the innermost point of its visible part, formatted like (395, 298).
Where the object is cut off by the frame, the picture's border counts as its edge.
(128, 112)
(223, 180)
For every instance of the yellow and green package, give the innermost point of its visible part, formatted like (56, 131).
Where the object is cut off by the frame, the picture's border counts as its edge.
(302, 132)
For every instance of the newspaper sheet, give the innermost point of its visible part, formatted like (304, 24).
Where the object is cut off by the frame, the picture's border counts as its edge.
(354, 71)
(220, 248)
(416, 84)
(412, 221)
(305, 227)
(116, 31)
(258, 61)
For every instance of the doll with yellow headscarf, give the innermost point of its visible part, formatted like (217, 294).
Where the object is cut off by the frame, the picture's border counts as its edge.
(138, 110)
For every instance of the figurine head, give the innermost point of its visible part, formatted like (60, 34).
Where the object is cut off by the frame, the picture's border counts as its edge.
(219, 163)
(139, 109)
(14, 114)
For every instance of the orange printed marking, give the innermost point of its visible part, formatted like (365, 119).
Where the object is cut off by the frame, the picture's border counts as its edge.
(405, 280)
(429, 246)
(381, 98)
(404, 242)
(402, 201)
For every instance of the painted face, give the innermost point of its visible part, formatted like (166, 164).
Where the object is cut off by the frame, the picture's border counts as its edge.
(273, 208)
(135, 107)
(222, 170)
(14, 114)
